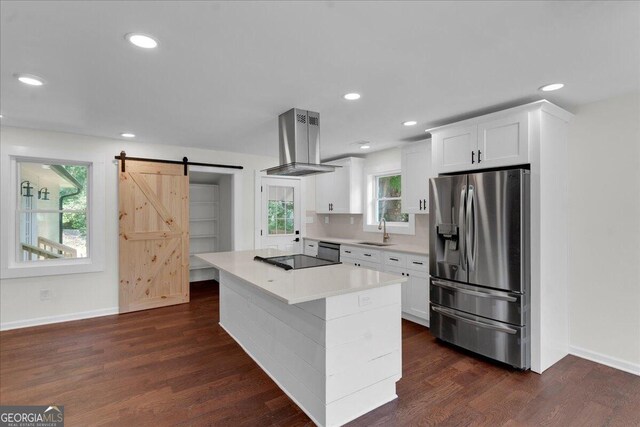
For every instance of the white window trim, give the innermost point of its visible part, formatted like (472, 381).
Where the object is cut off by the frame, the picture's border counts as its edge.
(10, 267)
(369, 223)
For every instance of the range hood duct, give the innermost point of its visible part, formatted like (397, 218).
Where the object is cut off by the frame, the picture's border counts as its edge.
(299, 144)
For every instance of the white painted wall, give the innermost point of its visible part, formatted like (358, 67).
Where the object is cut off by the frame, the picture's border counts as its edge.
(92, 294)
(604, 232)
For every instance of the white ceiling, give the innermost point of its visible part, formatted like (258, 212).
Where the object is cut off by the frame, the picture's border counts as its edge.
(224, 71)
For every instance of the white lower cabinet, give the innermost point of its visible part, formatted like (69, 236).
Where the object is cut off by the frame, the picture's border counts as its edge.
(311, 247)
(415, 291)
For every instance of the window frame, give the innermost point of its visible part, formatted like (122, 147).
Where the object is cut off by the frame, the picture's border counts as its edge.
(10, 266)
(370, 223)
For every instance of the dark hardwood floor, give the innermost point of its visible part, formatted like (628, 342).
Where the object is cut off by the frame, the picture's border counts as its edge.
(176, 366)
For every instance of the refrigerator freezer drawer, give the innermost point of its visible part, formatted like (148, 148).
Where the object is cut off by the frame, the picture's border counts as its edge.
(496, 340)
(498, 305)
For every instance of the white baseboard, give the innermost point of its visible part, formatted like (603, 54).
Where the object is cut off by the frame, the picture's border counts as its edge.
(57, 319)
(415, 319)
(623, 365)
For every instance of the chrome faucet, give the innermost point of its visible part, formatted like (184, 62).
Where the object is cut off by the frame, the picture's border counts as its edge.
(385, 235)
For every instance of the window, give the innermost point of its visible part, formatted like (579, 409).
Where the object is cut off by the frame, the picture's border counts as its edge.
(384, 200)
(52, 211)
(53, 219)
(388, 200)
(280, 210)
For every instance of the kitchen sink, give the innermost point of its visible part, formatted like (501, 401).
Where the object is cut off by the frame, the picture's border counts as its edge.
(375, 244)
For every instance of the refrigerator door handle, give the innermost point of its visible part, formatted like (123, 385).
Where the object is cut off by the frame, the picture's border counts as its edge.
(453, 315)
(493, 295)
(471, 228)
(461, 224)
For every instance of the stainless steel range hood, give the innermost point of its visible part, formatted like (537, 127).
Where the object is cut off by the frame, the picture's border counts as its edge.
(299, 144)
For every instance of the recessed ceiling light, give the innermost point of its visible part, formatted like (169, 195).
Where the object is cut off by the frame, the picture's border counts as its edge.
(552, 86)
(410, 123)
(127, 135)
(352, 96)
(30, 79)
(142, 40)
(0, 116)
(365, 146)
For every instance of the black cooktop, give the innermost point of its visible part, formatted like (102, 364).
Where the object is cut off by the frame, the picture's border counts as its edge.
(295, 262)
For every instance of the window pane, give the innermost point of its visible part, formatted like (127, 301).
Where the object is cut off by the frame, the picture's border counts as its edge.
(52, 187)
(52, 236)
(389, 186)
(390, 210)
(280, 210)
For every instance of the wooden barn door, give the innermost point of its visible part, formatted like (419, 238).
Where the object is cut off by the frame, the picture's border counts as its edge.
(154, 235)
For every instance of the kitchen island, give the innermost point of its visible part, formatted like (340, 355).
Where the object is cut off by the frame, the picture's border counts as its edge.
(329, 336)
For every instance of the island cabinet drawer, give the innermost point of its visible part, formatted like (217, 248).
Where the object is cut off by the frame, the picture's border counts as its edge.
(394, 259)
(418, 263)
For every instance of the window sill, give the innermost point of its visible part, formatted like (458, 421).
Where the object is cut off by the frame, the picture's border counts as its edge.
(52, 268)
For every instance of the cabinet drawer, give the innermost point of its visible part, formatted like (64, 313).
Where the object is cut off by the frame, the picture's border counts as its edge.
(369, 255)
(348, 251)
(418, 262)
(311, 247)
(394, 259)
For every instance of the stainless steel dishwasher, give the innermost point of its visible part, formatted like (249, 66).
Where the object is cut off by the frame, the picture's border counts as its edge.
(329, 251)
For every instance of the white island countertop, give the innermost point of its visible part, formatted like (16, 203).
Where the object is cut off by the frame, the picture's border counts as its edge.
(297, 286)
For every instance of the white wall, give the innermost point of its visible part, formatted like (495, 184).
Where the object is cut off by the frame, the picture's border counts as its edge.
(604, 232)
(91, 294)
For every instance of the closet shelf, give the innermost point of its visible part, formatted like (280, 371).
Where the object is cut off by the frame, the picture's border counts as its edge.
(203, 236)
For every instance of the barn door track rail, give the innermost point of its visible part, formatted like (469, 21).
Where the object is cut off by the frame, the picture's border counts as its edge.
(123, 158)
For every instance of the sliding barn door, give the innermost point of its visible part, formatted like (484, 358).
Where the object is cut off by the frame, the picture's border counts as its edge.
(154, 235)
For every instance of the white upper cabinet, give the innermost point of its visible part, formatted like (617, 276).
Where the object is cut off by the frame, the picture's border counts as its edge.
(341, 191)
(504, 142)
(416, 171)
(455, 147)
(496, 140)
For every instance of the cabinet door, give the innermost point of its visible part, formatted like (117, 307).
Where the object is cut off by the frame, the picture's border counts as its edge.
(418, 294)
(370, 265)
(399, 272)
(348, 260)
(416, 171)
(339, 187)
(324, 184)
(456, 149)
(504, 142)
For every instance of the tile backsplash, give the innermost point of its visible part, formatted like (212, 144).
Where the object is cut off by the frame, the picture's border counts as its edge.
(340, 226)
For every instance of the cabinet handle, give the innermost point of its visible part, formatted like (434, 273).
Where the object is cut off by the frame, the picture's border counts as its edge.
(479, 158)
(473, 157)
(424, 203)
(367, 254)
(347, 252)
(416, 262)
(403, 274)
(407, 274)
(394, 259)
(420, 204)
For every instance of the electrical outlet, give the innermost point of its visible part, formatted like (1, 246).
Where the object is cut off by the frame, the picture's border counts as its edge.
(45, 294)
(351, 220)
(326, 220)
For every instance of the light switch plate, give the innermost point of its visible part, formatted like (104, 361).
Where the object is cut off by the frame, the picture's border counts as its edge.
(326, 220)
(309, 219)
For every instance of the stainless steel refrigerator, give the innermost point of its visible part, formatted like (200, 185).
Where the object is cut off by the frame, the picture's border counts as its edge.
(480, 263)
